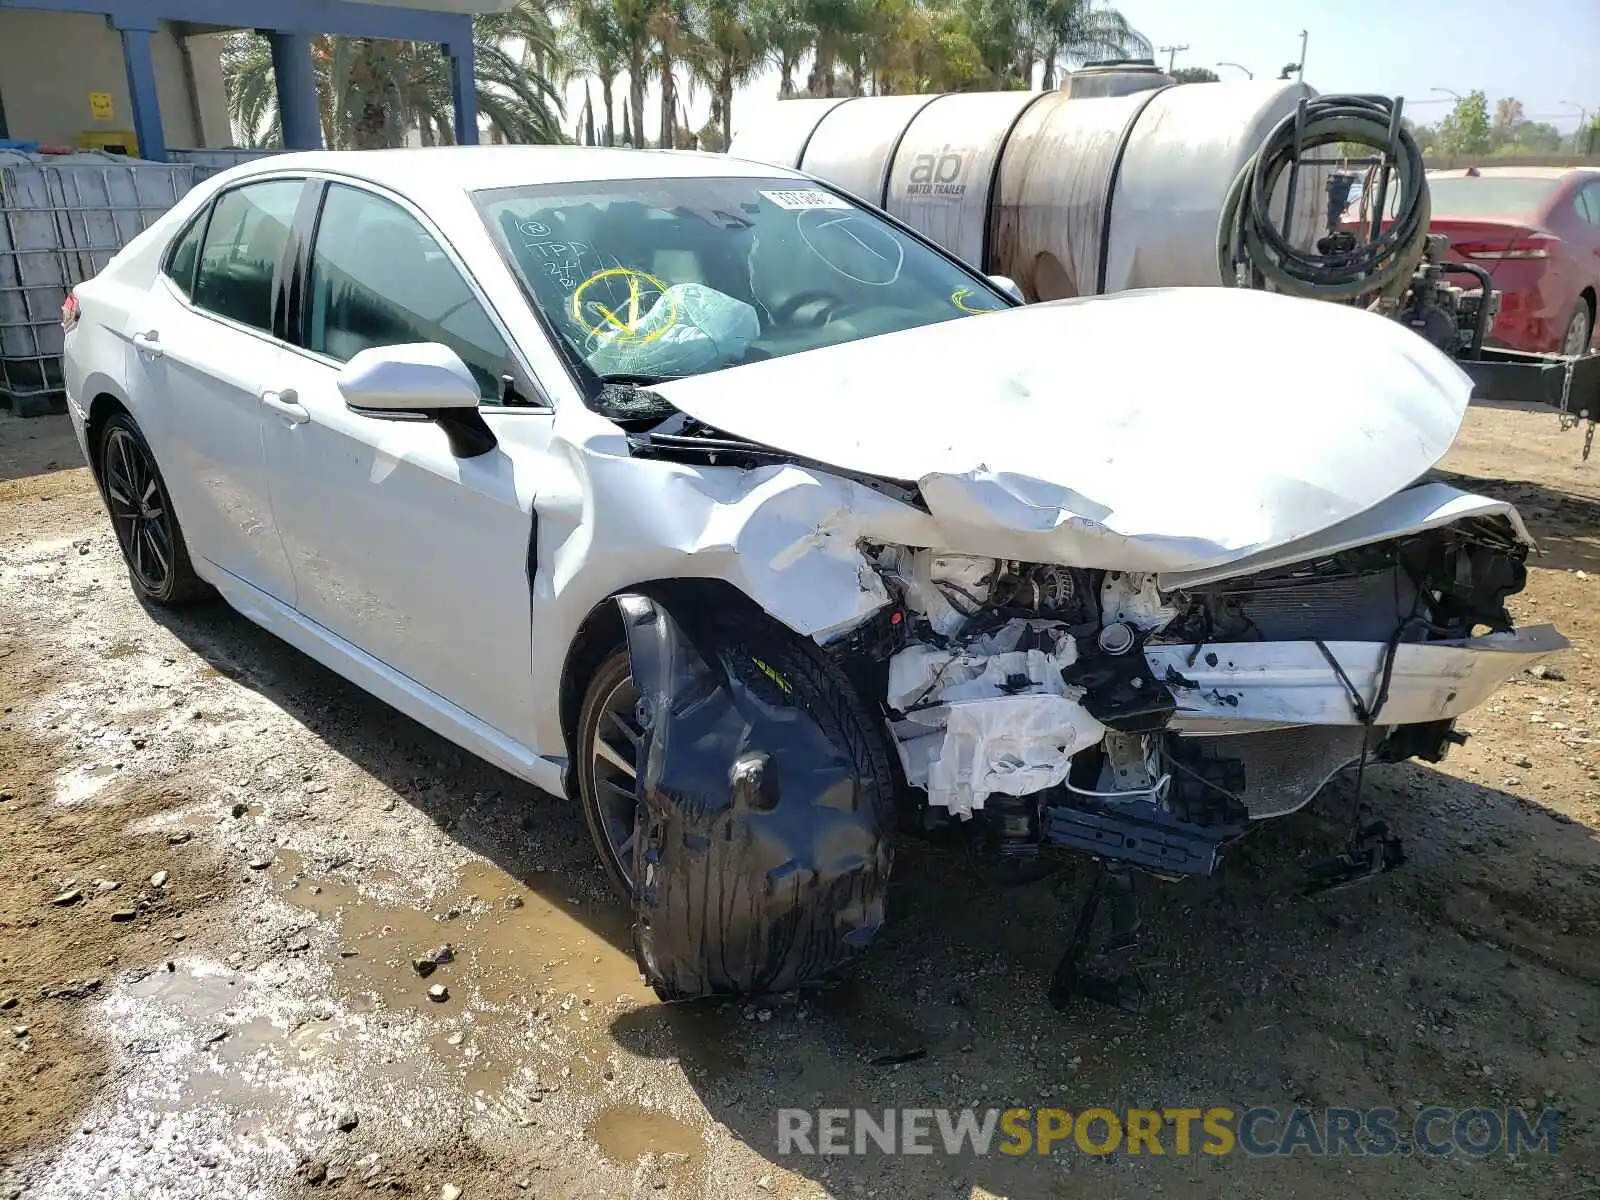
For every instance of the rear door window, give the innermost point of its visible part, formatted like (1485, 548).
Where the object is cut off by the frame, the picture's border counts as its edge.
(1588, 203)
(241, 260)
(184, 254)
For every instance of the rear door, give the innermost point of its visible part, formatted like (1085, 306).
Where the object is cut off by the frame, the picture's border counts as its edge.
(199, 346)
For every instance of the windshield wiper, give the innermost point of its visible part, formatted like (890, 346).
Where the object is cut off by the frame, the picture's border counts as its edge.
(638, 379)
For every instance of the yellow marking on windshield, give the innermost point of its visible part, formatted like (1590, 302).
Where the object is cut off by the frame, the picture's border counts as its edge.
(771, 674)
(607, 319)
(959, 297)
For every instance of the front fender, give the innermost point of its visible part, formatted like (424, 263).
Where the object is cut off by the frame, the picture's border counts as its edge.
(762, 854)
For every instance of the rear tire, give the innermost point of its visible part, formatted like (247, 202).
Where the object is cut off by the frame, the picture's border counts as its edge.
(144, 520)
(1579, 330)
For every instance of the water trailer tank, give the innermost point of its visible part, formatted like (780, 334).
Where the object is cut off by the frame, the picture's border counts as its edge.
(1118, 77)
(1067, 196)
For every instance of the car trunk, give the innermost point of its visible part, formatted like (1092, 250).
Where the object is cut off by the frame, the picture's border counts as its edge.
(1489, 243)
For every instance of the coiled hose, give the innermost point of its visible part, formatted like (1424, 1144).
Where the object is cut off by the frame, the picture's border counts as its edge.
(1246, 234)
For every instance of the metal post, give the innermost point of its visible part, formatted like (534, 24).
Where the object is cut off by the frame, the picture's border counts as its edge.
(296, 81)
(141, 71)
(1300, 71)
(463, 90)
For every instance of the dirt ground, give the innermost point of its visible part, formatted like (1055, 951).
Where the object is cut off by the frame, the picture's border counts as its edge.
(220, 861)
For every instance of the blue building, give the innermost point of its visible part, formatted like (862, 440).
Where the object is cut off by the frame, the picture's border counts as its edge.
(103, 73)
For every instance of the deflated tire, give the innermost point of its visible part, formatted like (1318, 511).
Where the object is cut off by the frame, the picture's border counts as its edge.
(766, 800)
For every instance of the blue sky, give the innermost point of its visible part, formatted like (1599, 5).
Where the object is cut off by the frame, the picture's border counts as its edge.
(1544, 52)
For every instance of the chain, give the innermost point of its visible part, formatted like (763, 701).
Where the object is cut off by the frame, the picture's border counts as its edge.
(1570, 419)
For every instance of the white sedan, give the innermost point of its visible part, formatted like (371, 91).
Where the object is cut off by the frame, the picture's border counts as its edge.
(769, 530)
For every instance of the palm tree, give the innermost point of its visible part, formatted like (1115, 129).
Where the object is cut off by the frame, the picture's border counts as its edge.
(730, 55)
(599, 47)
(836, 26)
(1081, 31)
(370, 91)
(781, 26)
(632, 26)
(676, 43)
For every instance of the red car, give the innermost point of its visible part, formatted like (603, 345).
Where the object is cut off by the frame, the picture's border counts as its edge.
(1536, 230)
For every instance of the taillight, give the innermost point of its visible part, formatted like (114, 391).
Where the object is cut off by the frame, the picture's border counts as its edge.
(69, 311)
(1532, 248)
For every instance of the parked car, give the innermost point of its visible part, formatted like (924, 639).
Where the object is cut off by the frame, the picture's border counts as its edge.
(769, 530)
(1536, 230)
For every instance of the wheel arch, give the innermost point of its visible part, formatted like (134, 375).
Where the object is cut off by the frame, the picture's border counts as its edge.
(601, 633)
(104, 404)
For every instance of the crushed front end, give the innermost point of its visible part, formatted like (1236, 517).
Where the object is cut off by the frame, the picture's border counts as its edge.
(1152, 723)
(1150, 720)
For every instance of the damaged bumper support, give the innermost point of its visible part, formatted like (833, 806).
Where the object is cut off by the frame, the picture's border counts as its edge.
(761, 855)
(1005, 722)
(1294, 682)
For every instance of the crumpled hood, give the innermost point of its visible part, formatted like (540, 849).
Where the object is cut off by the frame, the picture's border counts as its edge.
(1157, 430)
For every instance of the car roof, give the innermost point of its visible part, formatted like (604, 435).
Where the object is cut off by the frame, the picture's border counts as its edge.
(1509, 172)
(473, 168)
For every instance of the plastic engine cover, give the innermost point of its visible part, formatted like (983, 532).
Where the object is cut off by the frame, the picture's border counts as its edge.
(762, 856)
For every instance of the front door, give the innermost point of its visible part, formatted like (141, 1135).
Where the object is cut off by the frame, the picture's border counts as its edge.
(413, 555)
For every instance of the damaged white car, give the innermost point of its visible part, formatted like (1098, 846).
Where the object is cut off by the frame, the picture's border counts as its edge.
(770, 531)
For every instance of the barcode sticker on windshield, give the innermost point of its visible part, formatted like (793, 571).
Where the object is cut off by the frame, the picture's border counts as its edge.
(805, 199)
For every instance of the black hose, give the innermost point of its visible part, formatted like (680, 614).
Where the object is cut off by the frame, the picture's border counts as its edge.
(1248, 237)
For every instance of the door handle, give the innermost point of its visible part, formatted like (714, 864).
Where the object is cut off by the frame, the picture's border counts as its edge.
(148, 343)
(287, 405)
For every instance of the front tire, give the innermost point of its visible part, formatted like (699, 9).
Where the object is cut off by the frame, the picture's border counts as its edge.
(758, 856)
(142, 514)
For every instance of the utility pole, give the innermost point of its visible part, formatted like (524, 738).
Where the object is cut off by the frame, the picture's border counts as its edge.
(1172, 53)
(1300, 71)
(1583, 125)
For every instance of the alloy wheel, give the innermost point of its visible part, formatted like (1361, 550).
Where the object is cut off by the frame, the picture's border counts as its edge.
(138, 510)
(613, 772)
(1577, 340)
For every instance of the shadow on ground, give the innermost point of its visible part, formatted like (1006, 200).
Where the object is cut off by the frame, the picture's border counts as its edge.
(1466, 979)
(32, 446)
(1565, 524)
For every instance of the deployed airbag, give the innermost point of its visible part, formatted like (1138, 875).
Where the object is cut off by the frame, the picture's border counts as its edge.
(690, 328)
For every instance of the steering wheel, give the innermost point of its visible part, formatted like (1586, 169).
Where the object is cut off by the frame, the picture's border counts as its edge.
(784, 313)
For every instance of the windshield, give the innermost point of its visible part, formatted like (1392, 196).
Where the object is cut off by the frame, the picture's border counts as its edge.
(1488, 196)
(652, 279)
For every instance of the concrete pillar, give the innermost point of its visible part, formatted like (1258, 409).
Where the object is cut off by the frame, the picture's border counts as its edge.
(142, 93)
(463, 91)
(297, 90)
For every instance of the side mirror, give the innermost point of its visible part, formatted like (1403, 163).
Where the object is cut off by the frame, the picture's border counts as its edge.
(1009, 286)
(419, 381)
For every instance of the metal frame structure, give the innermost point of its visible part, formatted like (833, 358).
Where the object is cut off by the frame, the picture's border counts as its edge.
(1571, 385)
(59, 224)
(289, 25)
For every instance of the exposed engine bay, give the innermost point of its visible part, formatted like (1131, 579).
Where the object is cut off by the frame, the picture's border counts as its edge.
(1099, 711)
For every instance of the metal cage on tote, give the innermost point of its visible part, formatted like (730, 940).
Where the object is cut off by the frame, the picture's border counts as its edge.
(61, 220)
